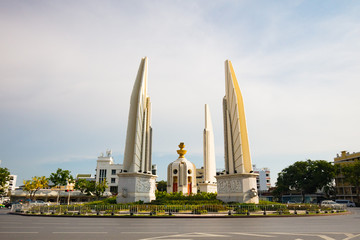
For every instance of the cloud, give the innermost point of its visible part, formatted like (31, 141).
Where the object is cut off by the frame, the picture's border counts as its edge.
(67, 71)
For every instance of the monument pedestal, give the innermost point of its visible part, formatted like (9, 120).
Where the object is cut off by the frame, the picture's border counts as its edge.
(208, 187)
(238, 187)
(135, 187)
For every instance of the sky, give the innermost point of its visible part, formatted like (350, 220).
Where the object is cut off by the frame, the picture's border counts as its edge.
(67, 69)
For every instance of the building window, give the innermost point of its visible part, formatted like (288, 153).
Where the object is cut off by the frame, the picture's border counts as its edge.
(112, 180)
(267, 174)
(267, 181)
(102, 175)
(113, 171)
(113, 189)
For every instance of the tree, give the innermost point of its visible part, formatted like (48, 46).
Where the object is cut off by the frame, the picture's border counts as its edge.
(82, 185)
(34, 185)
(85, 186)
(100, 188)
(4, 180)
(281, 187)
(306, 177)
(351, 172)
(161, 186)
(91, 187)
(60, 178)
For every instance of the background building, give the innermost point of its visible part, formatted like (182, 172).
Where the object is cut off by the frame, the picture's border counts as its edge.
(12, 183)
(86, 176)
(199, 176)
(343, 189)
(107, 170)
(10, 186)
(263, 179)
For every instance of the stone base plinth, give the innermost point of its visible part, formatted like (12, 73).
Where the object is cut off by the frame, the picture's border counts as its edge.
(237, 188)
(208, 187)
(135, 187)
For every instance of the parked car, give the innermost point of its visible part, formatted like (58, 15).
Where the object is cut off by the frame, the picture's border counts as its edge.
(8, 204)
(39, 203)
(346, 202)
(292, 202)
(331, 204)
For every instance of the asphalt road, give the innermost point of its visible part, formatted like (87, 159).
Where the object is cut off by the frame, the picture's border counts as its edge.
(344, 227)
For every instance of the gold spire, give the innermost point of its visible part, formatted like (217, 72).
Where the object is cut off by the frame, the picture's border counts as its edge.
(181, 152)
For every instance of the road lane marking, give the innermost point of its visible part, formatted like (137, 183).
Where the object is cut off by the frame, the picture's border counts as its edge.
(79, 227)
(80, 232)
(50, 223)
(252, 234)
(97, 224)
(21, 227)
(186, 235)
(147, 232)
(143, 226)
(351, 236)
(306, 234)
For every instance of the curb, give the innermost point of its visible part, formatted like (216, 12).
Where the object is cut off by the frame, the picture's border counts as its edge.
(174, 216)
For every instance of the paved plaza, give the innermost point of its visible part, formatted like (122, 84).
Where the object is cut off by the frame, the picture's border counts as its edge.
(344, 227)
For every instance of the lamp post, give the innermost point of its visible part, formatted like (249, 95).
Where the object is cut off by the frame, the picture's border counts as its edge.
(69, 188)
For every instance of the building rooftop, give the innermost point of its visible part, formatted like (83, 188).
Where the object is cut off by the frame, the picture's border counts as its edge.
(344, 155)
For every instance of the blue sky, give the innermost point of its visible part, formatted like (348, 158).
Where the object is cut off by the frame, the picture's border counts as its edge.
(67, 69)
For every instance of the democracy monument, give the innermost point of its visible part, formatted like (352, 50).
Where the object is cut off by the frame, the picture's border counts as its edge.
(236, 184)
(136, 181)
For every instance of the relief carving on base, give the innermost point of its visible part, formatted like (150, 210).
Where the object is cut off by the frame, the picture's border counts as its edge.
(143, 185)
(229, 186)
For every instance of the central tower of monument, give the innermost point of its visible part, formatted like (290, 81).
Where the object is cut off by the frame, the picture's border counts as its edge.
(181, 174)
(136, 181)
(238, 182)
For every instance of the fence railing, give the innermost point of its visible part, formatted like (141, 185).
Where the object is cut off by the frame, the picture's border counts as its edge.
(174, 209)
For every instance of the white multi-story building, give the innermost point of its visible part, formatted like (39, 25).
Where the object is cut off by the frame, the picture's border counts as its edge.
(107, 170)
(263, 179)
(12, 183)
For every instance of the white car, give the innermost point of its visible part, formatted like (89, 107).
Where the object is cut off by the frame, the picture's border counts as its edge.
(39, 203)
(346, 202)
(331, 204)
